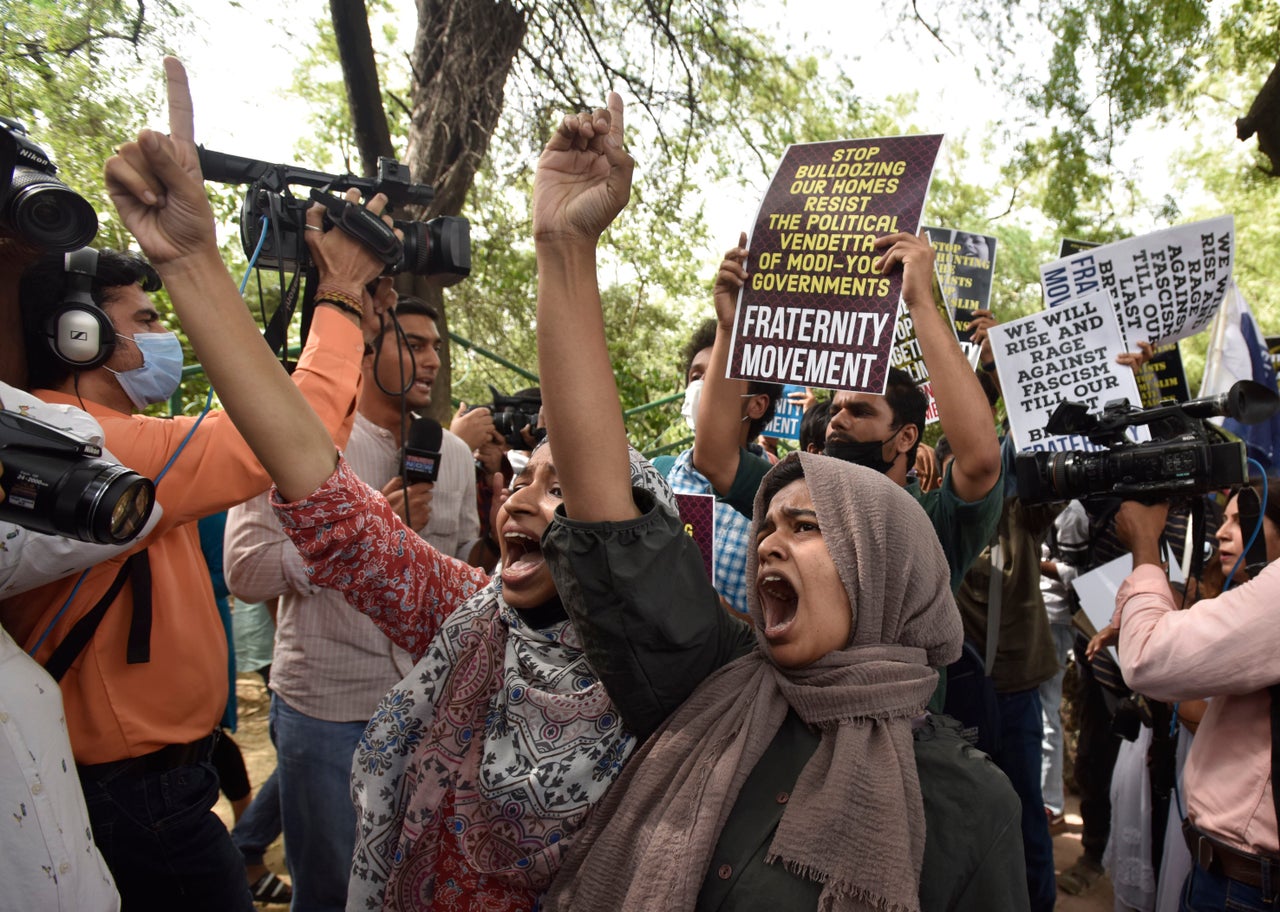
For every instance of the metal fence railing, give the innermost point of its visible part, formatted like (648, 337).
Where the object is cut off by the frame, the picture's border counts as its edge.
(652, 449)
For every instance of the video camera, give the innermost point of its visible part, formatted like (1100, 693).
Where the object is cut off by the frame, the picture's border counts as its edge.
(35, 205)
(1186, 455)
(439, 248)
(58, 484)
(512, 414)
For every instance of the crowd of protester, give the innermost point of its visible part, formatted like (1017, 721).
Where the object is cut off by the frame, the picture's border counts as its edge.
(516, 687)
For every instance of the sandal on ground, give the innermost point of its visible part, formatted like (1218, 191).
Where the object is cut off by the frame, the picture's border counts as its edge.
(271, 889)
(1080, 878)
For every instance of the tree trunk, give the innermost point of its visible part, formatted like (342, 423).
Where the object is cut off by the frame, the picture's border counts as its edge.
(360, 74)
(463, 52)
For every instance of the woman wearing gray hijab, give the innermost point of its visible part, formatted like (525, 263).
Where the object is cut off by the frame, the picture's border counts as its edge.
(805, 773)
(800, 770)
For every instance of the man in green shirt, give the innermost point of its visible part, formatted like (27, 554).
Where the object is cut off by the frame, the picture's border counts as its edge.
(881, 432)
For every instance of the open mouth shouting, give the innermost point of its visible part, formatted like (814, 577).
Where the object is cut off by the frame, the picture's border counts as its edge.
(778, 603)
(523, 560)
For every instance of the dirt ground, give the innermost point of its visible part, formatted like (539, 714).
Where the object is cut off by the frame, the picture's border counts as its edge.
(260, 758)
(1066, 849)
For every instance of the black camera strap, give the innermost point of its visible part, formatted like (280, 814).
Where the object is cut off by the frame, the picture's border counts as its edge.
(277, 331)
(138, 568)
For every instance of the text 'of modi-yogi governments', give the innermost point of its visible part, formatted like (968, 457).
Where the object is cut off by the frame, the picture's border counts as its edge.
(814, 310)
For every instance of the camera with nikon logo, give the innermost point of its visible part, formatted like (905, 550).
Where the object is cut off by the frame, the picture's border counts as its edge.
(34, 205)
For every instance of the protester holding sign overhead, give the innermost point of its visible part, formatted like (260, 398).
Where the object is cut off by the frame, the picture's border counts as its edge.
(881, 432)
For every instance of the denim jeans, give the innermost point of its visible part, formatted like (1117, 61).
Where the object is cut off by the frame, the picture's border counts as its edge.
(313, 764)
(1021, 729)
(259, 825)
(163, 843)
(1209, 892)
(1051, 710)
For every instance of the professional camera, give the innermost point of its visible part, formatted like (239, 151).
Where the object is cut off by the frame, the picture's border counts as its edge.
(58, 484)
(273, 219)
(1186, 455)
(35, 205)
(512, 414)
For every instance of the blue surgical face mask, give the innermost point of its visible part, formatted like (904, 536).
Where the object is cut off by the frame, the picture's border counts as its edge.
(161, 372)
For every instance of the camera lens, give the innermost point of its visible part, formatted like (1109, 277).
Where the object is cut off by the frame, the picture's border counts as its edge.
(44, 213)
(121, 510)
(89, 499)
(48, 213)
(102, 502)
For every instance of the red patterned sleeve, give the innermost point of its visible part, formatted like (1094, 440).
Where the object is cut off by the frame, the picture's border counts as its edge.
(351, 541)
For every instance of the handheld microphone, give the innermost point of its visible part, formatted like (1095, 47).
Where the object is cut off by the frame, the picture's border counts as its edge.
(421, 461)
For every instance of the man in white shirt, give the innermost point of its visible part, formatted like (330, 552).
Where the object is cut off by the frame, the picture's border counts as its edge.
(48, 859)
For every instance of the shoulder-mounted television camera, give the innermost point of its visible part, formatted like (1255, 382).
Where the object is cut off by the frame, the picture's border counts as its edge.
(56, 483)
(34, 205)
(273, 219)
(1187, 455)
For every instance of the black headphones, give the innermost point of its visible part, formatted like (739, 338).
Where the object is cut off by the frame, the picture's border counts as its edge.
(78, 331)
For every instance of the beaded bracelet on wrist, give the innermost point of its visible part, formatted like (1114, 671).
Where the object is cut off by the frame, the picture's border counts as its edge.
(341, 300)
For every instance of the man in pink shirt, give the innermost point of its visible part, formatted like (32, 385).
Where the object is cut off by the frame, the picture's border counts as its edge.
(1225, 648)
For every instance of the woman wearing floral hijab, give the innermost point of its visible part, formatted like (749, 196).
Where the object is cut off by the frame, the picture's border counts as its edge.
(804, 774)
(482, 764)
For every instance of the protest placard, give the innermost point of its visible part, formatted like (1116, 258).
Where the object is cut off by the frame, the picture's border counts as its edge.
(1066, 352)
(1067, 246)
(1163, 377)
(698, 513)
(786, 417)
(965, 265)
(814, 311)
(906, 356)
(1273, 348)
(1164, 286)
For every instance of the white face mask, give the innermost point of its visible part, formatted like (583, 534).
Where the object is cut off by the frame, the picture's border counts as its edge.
(161, 372)
(689, 410)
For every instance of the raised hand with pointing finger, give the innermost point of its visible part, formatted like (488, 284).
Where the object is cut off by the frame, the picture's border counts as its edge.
(158, 189)
(156, 184)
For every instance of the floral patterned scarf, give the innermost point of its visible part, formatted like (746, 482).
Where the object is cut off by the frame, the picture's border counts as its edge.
(500, 741)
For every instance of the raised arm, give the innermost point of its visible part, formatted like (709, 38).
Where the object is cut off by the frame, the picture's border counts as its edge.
(582, 182)
(158, 189)
(719, 421)
(962, 407)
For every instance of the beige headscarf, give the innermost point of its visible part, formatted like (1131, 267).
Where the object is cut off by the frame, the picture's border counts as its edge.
(855, 820)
